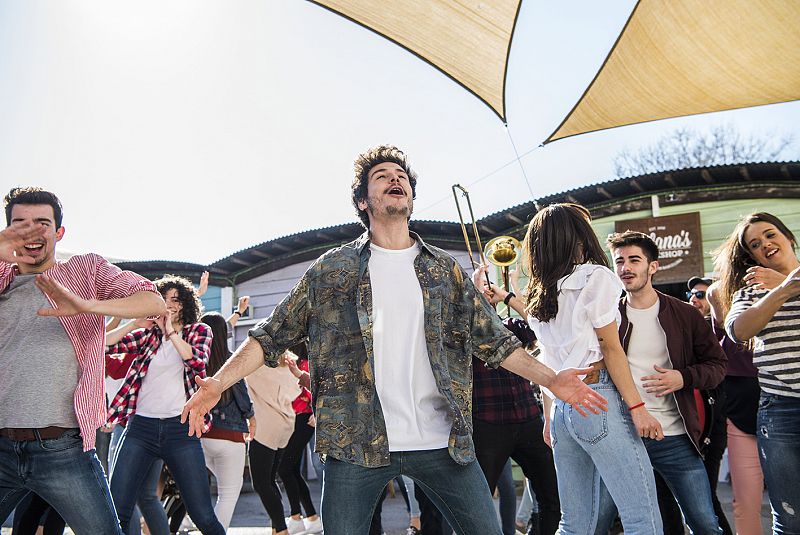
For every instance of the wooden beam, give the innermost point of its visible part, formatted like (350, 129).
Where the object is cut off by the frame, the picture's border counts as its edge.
(572, 199)
(706, 176)
(785, 171)
(635, 185)
(514, 219)
(239, 261)
(670, 180)
(604, 192)
(744, 172)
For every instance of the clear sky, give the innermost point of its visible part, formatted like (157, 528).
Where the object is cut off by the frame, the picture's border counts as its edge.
(190, 129)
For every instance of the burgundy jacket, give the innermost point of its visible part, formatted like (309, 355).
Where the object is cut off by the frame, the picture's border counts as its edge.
(693, 350)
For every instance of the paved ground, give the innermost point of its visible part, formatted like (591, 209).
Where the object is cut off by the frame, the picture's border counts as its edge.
(251, 519)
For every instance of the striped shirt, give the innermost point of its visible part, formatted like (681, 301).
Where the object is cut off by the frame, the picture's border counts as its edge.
(776, 353)
(89, 276)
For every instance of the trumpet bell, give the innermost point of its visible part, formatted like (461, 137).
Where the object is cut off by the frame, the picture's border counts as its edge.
(503, 250)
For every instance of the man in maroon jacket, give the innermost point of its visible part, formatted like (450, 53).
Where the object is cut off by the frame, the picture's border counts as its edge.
(671, 350)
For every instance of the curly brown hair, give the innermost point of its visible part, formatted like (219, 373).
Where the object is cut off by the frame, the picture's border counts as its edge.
(192, 306)
(365, 162)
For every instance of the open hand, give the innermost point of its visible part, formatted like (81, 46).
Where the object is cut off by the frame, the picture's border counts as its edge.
(568, 387)
(202, 401)
(203, 286)
(65, 302)
(666, 381)
(13, 239)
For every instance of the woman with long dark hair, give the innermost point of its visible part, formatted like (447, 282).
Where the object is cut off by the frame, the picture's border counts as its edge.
(232, 422)
(572, 306)
(760, 278)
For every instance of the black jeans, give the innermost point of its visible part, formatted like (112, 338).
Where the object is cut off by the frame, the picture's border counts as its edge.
(264, 463)
(30, 514)
(289, 467)
(496, 443)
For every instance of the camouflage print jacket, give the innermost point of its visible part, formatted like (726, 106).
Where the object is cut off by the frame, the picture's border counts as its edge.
(332, 305)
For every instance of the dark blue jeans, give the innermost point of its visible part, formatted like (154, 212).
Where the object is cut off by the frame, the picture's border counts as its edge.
(148, 439)
(350, 492)
(682, 468)
(778, 435)
(65, 476)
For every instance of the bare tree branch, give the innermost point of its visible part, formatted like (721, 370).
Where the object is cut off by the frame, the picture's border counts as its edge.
(684, 148)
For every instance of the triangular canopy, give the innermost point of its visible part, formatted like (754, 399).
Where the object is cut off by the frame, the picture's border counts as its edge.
(468, 40)
(684, 57)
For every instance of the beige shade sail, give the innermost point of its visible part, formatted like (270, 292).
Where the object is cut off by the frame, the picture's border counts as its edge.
(468, 40)
(684, 57)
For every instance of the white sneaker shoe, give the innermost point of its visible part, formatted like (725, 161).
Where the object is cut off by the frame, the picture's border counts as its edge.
(295, 527)
(313, 527)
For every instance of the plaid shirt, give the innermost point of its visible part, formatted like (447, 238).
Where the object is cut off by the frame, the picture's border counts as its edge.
(332, 305)
(91, 277)
(501, 397)
(143, 344)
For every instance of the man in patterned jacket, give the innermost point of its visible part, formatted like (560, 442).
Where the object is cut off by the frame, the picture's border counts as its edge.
(392, 324)
(52, 397)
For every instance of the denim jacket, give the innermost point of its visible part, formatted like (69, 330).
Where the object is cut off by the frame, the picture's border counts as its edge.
(234, 414)
(332, 305)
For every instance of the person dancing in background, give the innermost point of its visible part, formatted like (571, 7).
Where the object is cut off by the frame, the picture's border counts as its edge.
(289, 468)
(272, 390)
(233, 422)
(766, 310)
(170, 355)
(572, 302)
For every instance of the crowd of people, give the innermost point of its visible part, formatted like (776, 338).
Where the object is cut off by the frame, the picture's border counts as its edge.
(394, 363)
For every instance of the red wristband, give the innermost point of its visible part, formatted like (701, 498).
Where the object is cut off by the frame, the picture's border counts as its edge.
(636, 406)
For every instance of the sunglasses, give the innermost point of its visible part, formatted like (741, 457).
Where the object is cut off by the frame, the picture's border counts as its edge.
(700, 294)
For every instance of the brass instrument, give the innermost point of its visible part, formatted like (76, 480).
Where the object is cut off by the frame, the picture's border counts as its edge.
(502, 251)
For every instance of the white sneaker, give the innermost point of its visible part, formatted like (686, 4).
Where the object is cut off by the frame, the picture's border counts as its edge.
(295, 527)
(314, 526)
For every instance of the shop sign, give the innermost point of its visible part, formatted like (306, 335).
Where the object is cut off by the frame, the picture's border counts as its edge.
(679, 241)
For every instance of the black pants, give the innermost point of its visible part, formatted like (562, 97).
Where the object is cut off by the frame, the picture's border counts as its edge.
(289, 468)
(264, 463)
(30, 513)
(496, 443)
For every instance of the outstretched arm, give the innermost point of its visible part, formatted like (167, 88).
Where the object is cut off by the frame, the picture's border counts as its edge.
(138, 305)
(565, 385)
(244, 361)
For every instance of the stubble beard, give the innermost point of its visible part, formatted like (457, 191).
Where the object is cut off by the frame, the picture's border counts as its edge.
(392, 210)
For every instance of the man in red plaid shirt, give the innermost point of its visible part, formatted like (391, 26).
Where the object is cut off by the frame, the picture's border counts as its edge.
(52, 329)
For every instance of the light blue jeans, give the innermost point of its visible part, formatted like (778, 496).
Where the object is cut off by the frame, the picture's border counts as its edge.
(597, 449)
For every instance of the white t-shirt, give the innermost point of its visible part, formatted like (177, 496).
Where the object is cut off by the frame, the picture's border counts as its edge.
(163, 394)
(588, 299)
(417, 416)
(648, 348)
